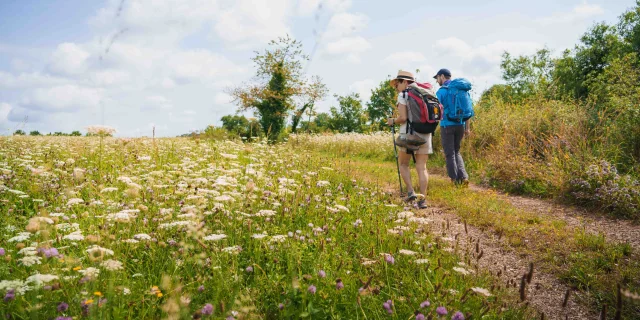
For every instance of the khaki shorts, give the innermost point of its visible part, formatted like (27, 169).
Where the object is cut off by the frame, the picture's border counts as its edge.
(426, 148)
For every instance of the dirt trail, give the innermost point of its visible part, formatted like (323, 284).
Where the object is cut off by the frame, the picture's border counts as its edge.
(545, 293)
(614, 230)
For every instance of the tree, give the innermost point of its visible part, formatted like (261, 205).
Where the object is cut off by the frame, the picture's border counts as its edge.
(313, 92)
(19, 133)
(76, 133)
(381, 104)
(629, 27)
(35, 133)
(241, 126)
(350, 117)
(527, 75)
(279, 81)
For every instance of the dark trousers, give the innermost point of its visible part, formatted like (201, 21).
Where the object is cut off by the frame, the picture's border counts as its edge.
(451, 139)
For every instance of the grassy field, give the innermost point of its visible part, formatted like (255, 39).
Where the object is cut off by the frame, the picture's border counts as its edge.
(180, 228)
(588, 262)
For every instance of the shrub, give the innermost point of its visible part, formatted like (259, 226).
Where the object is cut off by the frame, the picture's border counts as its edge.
(603, 187)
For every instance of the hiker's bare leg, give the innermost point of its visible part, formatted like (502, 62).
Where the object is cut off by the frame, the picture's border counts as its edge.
(404, 159)
(423, 175)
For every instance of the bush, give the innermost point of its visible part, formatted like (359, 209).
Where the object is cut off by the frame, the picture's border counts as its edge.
(525, 148)
(601, 186)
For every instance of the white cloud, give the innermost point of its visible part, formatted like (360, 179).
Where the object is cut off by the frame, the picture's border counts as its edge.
(69, 58)
(345, 24)
(63, 98)
(306, 7)
(253, 21)
(363, 88)
(110, 77)
(200, 65)
(580, 12)
(157, 103)
(452, 46)
(29, 80)
(5, 108)
(404, 60)
(350, 47)
(223, 98)
(484, 58)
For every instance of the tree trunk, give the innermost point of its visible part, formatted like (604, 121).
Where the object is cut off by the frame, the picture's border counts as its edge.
(297, 116)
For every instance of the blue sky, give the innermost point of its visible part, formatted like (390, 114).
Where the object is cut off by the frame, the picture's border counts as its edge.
(146, 63)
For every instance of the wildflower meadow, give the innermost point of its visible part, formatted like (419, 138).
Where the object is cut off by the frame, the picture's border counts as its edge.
(102, 228)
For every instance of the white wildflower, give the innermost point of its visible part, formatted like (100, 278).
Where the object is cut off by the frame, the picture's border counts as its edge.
(481, 291)
(73, 201)
(98, 249)
(112, 265)
(39, 279)
(215, 237)
(30, 260)
(142, 236)
(90, 272)
(407, 252)
(74, 236)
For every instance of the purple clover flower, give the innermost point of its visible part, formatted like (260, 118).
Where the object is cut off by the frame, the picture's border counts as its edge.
(388, 306)
(339, 284)
(312, 289)
(441, 311)
(10, 295)
(425, 304)
(389, 259)
(201, 289)
(62, 307)
(207, 309)
(419, 316)
(322, 274)
(281, 306)
(249, 269)
(2, 252)
(458, 316)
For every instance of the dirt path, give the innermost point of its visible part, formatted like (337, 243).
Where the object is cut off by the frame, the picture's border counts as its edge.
(545, 293)
(614, 230)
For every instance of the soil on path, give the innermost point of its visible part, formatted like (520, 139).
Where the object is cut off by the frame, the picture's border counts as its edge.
(614, 230)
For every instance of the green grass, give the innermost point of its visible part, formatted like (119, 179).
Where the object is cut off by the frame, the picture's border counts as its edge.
(588, 262)
(174, 271)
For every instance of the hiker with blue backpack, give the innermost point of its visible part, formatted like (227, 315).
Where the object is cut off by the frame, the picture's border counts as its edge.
(458, 110)
(418, 115)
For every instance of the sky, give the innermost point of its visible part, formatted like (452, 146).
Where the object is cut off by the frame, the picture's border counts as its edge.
(136, 65)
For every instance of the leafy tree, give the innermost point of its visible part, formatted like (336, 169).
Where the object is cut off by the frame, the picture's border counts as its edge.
(313, 92)
(527, 75)
(35, 133)
(629, 27)
(350, 116)
(76, 133)
(279, 81)
(241, 126)
(19, 133)
(381, 104)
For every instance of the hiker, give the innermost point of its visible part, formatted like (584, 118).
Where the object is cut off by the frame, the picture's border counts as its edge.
(451, 132)
(403, 80)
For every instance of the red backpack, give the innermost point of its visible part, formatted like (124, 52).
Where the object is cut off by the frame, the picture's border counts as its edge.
(424, 111)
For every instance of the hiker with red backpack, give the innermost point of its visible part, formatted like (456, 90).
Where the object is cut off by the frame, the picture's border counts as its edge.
(418, 114)
(458, 110)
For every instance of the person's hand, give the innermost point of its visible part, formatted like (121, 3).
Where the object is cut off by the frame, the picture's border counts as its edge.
(390, 121)
(467, 133)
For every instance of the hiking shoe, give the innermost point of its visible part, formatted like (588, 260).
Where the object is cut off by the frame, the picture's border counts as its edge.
(411, 196)
(464, 183)
(422, 204)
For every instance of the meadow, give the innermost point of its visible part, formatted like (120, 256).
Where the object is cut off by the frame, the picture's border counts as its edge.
(102, 228)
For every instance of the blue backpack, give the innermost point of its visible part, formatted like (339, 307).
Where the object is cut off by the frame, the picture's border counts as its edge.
(460, 106)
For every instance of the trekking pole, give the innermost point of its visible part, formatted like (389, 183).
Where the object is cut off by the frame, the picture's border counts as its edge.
(395, 151)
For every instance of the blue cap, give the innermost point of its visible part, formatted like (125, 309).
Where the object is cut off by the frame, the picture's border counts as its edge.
(445, 72)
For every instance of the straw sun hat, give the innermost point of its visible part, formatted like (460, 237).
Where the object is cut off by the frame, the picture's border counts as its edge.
(404, 75)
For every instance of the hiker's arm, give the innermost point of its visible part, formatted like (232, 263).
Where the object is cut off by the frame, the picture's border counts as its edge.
(467, 127)
(402, 116)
